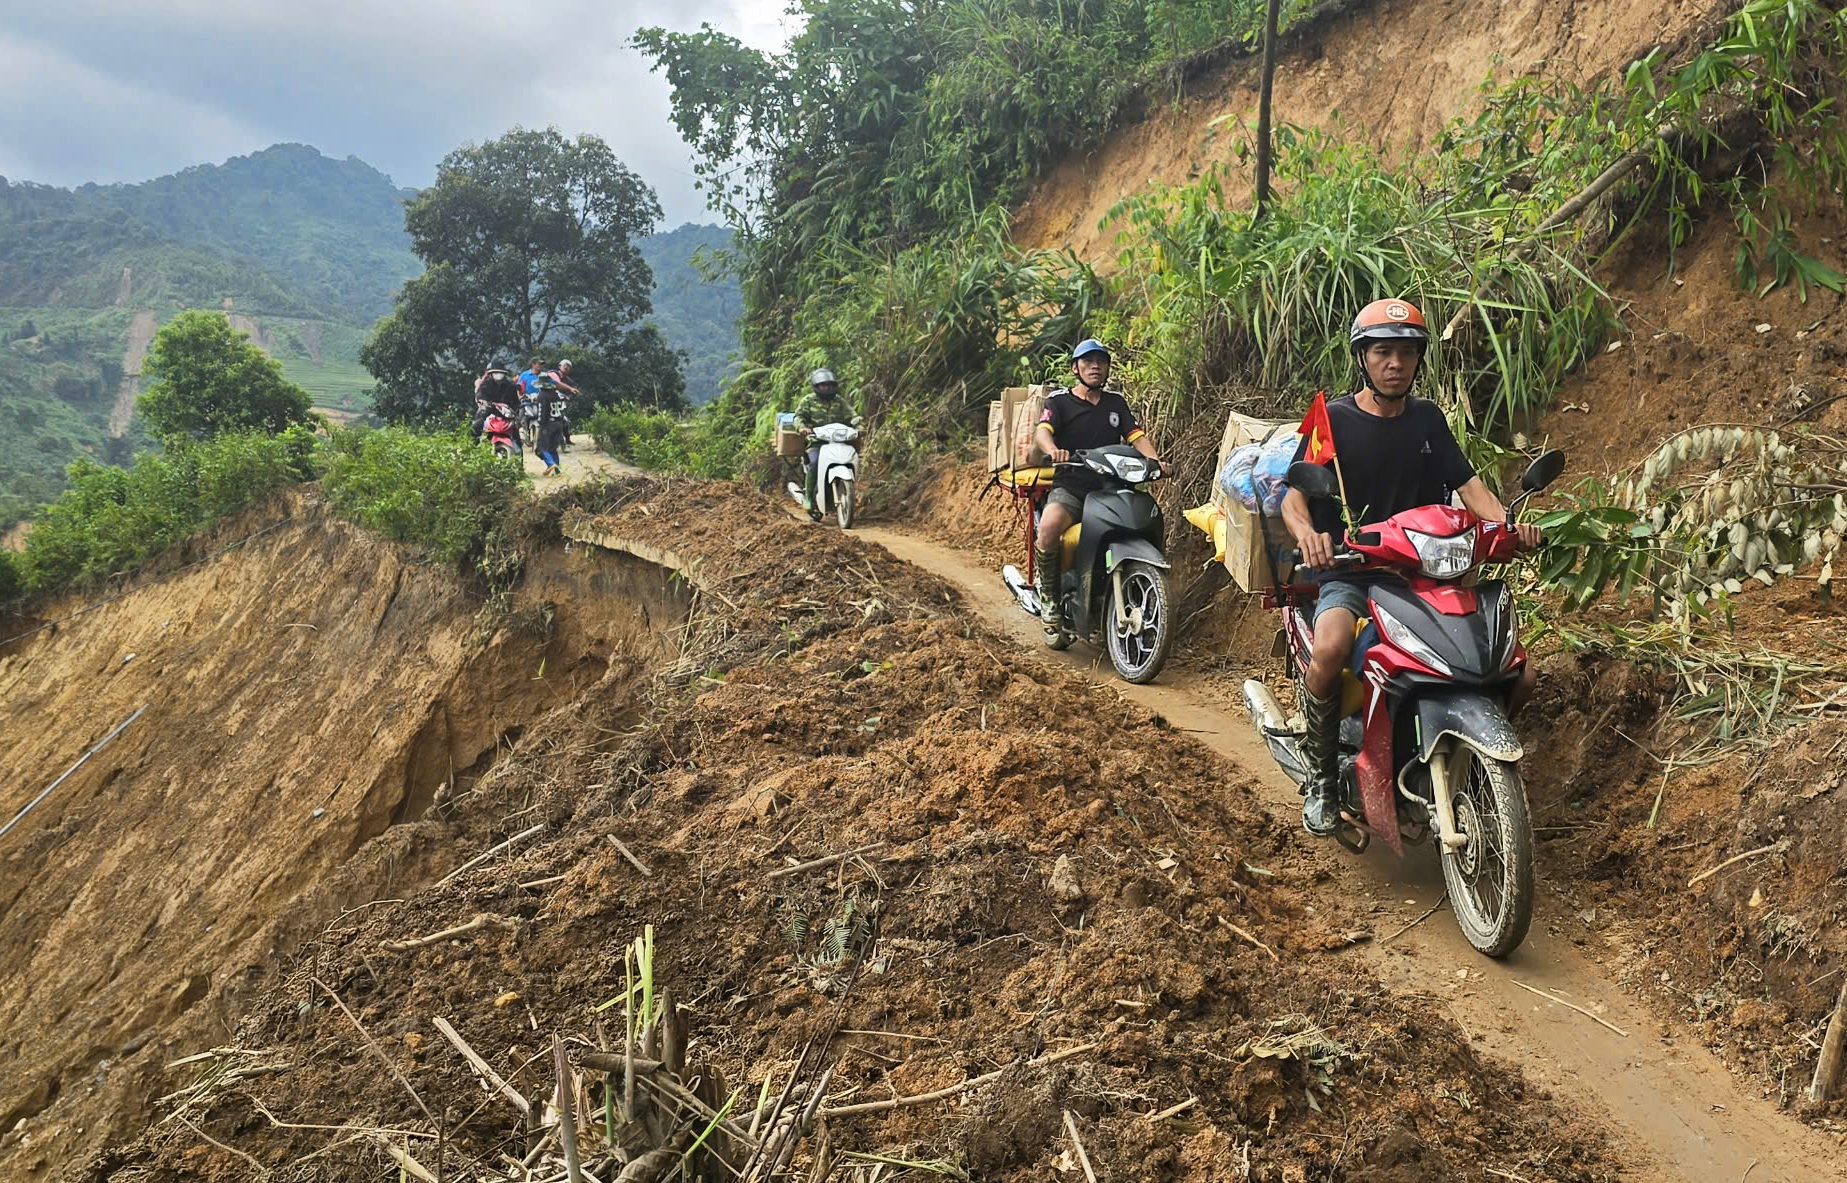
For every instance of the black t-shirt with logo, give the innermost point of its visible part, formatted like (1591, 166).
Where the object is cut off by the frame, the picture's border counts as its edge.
(1392, 464)
(1078, 423)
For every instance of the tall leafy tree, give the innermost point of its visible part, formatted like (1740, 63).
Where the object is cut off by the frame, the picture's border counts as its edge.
(529, 242)
(209, 379)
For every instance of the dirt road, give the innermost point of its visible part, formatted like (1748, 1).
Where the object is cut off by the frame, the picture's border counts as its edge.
(583, 462)
(1682, 1113)
(140, 336)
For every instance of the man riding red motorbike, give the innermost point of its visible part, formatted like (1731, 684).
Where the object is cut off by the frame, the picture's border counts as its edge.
(1397, 453)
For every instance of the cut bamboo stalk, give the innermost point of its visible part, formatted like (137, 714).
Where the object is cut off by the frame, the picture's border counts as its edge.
(411, 1166)
(1083, 1157)
(481, 1067)
(567, 1115)
(630, 856)
(1831, 1068)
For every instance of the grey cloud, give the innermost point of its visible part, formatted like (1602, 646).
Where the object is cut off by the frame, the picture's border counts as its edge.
(114, 90)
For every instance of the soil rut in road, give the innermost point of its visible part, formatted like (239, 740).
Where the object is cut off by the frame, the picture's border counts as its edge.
(1683, 1114)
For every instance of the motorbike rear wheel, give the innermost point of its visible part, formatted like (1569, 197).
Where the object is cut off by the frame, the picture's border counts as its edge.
(504, 449)
(842, 497)
(1490, 879)
(1139, 649)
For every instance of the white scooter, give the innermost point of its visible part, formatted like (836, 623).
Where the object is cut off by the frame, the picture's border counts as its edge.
(837, 474)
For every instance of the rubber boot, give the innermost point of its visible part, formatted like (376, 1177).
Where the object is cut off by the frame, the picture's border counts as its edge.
(1045, 579)
(1321, 754)
(808, 491)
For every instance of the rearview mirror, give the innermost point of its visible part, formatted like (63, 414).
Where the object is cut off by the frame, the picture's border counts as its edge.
(1542, 472)
(1314, 481)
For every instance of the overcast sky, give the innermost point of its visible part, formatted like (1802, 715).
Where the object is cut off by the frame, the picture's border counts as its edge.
(125, 90)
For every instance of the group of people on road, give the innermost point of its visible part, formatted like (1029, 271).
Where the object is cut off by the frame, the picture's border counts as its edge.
(1400, 454)
(538, 394)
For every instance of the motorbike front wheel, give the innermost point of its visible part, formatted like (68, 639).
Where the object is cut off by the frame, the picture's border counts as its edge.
(1490, 878)
(1138, 632)
(843, 503)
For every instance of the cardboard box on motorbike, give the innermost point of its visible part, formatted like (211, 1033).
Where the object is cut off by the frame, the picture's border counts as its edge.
(1012, 422)
(789, 439)
(1250, 538)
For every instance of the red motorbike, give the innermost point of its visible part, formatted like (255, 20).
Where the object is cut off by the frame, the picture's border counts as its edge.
(1425, 742)
(502, 429)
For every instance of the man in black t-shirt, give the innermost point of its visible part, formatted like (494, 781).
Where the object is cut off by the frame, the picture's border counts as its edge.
(1396, 453)
(1086, 416)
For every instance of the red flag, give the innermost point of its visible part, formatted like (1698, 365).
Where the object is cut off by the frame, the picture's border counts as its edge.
(1319, 430)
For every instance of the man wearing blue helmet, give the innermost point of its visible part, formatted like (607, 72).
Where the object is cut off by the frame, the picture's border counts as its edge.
(1089, 415)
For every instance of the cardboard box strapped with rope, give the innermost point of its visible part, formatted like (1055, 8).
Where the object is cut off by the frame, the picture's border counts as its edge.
(1253, 457)
(1013, 420)
(789, 439)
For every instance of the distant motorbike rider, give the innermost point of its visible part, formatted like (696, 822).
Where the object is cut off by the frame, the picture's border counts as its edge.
(551, 403)
(1396, 452)
(823, 404)
(1089, 415)
(496, 386)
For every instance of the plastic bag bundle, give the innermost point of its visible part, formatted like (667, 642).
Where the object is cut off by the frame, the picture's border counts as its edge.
(1236, 478)
(1270, 473)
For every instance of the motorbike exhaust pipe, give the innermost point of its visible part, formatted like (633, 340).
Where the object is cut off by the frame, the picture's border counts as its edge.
(1021, 589)
(1263, 708)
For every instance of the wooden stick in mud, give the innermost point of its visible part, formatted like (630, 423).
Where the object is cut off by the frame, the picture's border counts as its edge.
(411, 1166)
(630, 856)
(484, 920)
(567, 1111)
(490, 852)
(952, 1090)
(1736, 858)
(1599, 1020)
(828, 861)
(1831, 1068)
(373, 1045)
(1083, 1158)
(482, 1068)
(1247, 936)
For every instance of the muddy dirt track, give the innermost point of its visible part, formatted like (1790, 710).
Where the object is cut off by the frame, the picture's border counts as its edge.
(1678, 1110)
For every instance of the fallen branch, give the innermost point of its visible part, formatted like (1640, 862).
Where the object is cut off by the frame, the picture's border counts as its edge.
(1736, 858)
(1831, 1068)
(952, 1090)
(262, 1171)
(1083, 1159)
(1434, 908)
(630, 856)
(484, 920)
(490, 852)
(481, 1066)
(1598, 1019)
(828, 861)
(1247, 936)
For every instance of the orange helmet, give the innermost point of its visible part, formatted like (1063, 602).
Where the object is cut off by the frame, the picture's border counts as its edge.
(1387, 319)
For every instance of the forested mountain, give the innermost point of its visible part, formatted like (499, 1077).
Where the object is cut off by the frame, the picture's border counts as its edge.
(284, 231)
(696, 314)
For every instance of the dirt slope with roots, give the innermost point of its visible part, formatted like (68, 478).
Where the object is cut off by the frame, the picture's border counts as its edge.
(308, 697)
(1055, 871)
(1396, 69)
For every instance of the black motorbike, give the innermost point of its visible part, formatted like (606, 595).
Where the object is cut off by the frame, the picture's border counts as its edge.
(1112, 570)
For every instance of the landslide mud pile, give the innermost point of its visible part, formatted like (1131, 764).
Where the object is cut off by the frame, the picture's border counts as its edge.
(1050, 885)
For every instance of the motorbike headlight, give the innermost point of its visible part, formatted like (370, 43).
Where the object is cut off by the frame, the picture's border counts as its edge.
(1444, 558)
(1133, 469)
(1409, 641)
(835, 433)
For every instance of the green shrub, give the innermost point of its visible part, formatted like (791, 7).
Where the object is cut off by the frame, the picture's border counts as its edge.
(109, 520)
(437, 490)
(12, 577)
(656, 441)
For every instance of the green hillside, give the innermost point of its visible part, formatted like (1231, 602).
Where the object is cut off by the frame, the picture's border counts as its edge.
(695, 314)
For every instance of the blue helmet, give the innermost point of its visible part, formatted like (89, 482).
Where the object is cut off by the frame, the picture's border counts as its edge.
(1088, 346)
